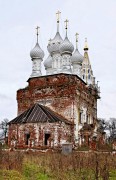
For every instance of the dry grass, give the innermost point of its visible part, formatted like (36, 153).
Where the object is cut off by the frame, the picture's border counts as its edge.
(48, 166)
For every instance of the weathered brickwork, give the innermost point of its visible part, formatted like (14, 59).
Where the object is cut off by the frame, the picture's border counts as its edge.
(36, 135)
(62, 93)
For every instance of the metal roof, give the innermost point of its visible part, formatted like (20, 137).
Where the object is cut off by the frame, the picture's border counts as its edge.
(39, 114)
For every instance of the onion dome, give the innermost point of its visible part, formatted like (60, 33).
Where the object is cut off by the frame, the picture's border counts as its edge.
(77, 57)
(66, 46)
(54, 44)
(37, 52)
(48, 62)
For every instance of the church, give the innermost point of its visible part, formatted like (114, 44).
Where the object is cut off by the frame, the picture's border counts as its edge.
(61, 106)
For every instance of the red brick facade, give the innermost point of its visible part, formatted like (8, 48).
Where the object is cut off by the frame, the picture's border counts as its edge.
(62, 93)
(58, 92)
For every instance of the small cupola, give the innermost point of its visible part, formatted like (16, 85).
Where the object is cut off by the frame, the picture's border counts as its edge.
(37, 52)
(77, 58)
(66, 46)
(54, 44)
(37, 55)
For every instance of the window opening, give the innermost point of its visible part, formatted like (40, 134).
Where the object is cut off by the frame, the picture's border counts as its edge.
(47, 136)
(27, 136)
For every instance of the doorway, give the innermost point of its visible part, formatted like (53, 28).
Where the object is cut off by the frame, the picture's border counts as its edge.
(27, 136)
(47, 136)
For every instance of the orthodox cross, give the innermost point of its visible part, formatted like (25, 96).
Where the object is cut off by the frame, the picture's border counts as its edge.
(86, 45)
(76, 40)
(37, 33)
(58, 16)
(66, 25)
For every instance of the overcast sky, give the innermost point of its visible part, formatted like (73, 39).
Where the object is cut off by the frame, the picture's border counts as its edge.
(93, 19)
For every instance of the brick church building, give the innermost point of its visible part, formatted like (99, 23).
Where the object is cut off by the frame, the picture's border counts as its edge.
(61, 106)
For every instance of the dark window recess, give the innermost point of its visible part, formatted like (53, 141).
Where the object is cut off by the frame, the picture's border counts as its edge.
(27, 136)
(80, 120)
(47, 136)
(87, 118)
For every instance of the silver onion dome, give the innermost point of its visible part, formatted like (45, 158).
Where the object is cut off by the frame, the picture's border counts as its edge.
(37, 52)
(66, 46)
(48, 62)
(77, 57)
(53, 45)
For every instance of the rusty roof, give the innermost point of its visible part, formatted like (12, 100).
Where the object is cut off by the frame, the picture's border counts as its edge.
(39, 114)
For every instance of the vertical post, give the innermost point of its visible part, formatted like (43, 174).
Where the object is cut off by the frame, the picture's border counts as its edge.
(37, 33)
(66, 25)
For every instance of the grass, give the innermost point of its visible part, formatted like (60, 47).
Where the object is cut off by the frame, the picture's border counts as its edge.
(55, 166)
(11, 175)
(112, 175)
(33, 171)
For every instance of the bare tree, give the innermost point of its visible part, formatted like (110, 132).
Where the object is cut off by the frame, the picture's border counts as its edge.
(103, 125)
(112, 128)
(3, 129)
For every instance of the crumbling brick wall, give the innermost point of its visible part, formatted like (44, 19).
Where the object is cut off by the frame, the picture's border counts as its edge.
(58, 133)
(63, 93)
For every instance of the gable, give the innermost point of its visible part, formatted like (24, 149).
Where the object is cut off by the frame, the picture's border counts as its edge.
(39, 114)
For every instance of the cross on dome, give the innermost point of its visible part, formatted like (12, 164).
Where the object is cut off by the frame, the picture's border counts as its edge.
(66, 25)
(58, 18)
(76, 40)
(86, 45)
(37, 33)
